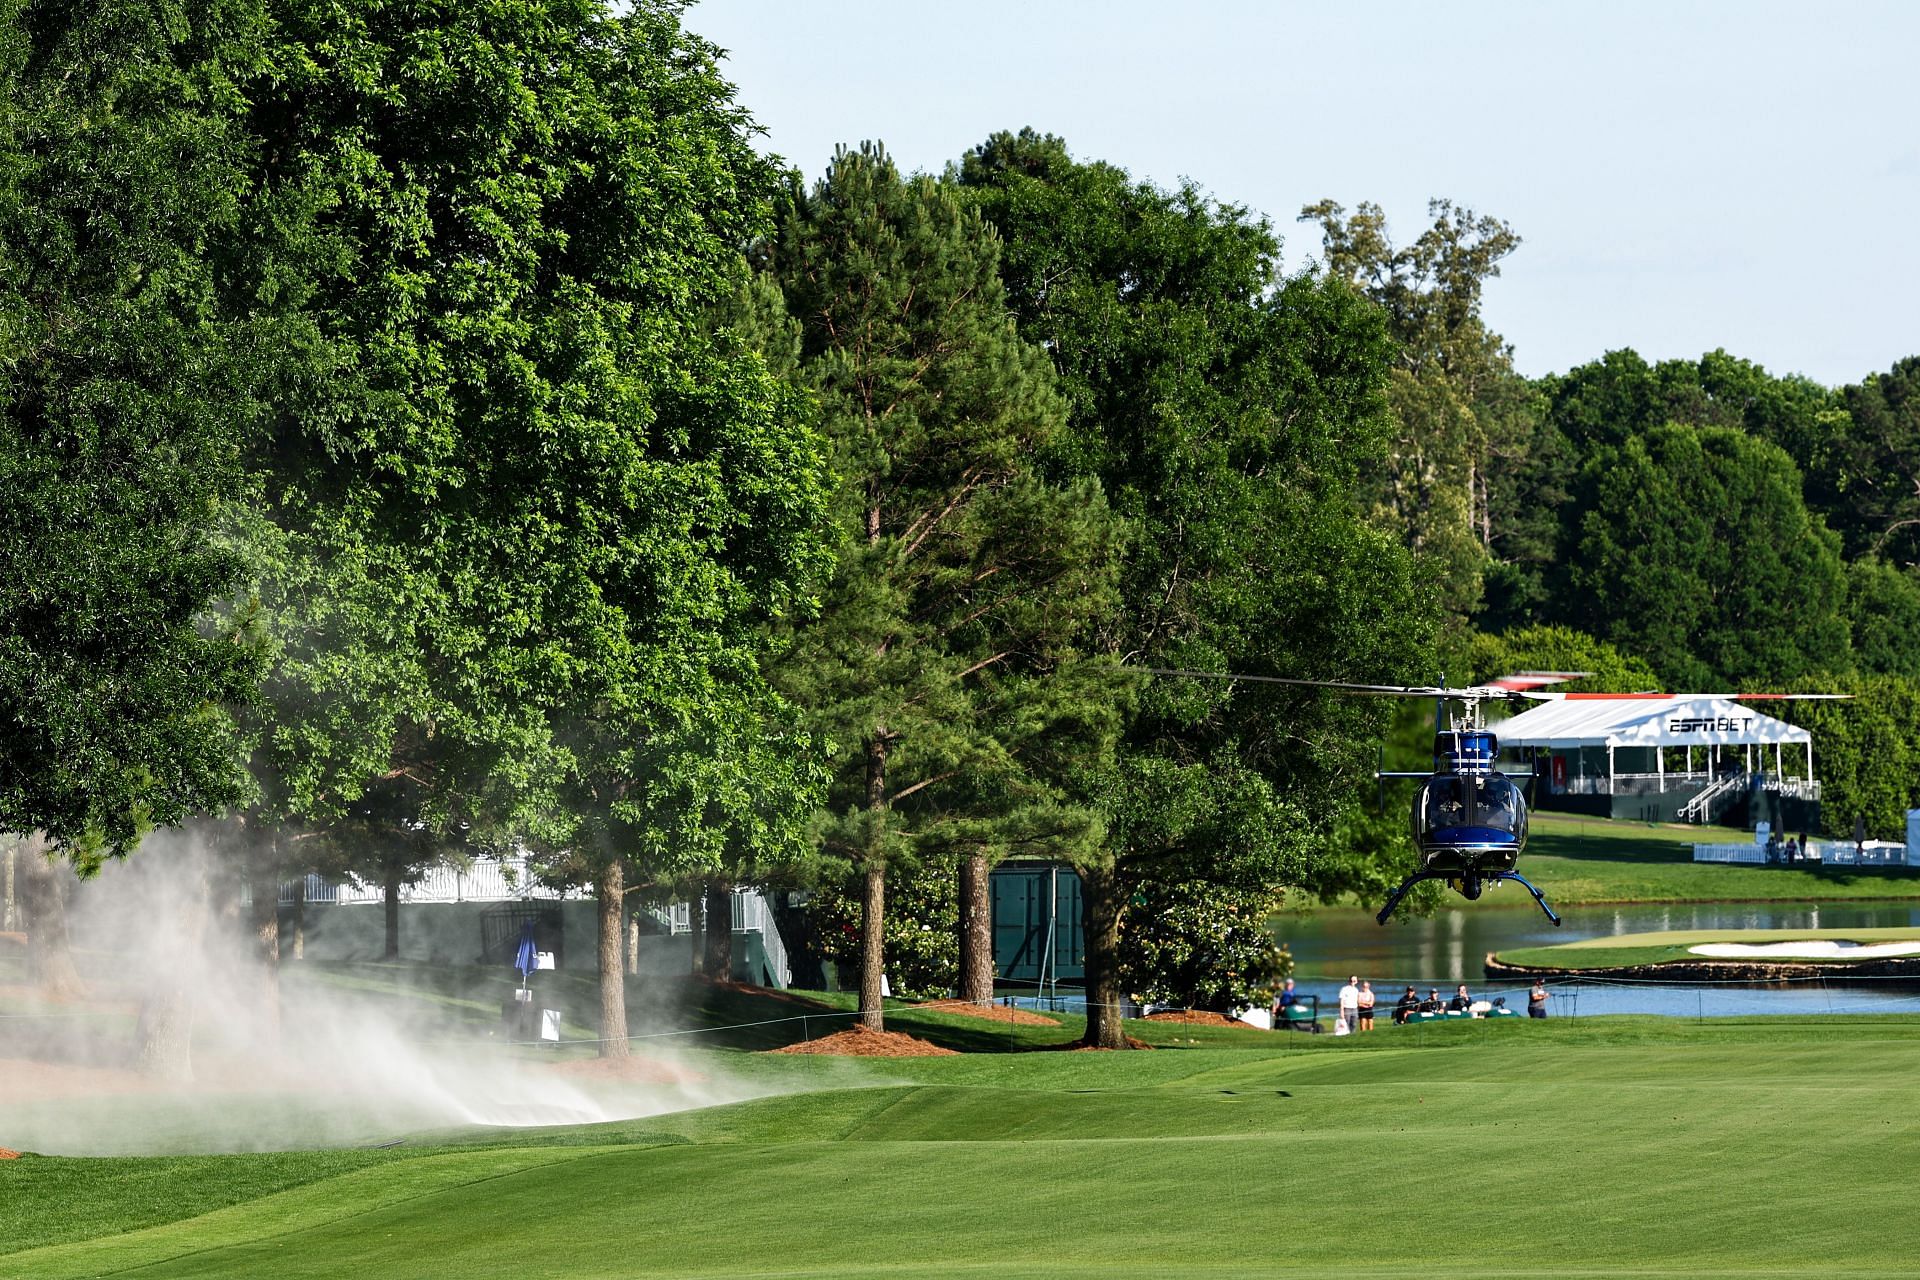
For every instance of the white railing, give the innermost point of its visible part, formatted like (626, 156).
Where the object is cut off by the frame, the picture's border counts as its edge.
(1792, 788)
(1876, 853)
(1837, 853)
(1695, 810)
(1624, 784)
(1748, 852)
(752, 914)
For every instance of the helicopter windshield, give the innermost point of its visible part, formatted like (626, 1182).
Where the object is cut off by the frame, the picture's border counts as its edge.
(1489, 802)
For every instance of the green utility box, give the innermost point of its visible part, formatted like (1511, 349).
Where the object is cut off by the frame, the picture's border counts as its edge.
(1022, 893)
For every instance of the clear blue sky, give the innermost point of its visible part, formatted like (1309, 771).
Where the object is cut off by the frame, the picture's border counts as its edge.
(1685, 175)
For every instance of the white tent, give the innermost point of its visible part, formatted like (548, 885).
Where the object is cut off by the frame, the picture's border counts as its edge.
(1641, 721)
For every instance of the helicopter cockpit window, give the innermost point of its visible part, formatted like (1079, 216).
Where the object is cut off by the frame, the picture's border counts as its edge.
(1463, 801)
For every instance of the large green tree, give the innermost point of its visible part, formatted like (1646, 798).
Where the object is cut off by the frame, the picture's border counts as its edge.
(1883, 613)
(1866, 477)
(125, 401)
(1229, 415)
(1696, 553)
(1472, 462)
(943, 660)
(533, 508)
(1869, 766)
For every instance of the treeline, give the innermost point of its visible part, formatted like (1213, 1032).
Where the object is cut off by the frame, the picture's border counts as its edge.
(428, 434)
(1712, 526)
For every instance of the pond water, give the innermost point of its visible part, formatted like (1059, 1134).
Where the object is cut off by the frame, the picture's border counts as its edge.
(1451, 946)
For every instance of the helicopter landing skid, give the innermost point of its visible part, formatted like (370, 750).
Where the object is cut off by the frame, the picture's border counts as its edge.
(1470, 887)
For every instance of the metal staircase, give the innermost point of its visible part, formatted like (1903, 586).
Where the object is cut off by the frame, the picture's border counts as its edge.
(1701, 807)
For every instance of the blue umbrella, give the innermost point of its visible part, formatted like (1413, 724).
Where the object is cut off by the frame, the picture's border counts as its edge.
(524, 957)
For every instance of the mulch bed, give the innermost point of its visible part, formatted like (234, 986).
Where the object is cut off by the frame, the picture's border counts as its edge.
(858, 1042)
(992, 1012)
(1195, 1017)
(8, 1153)
(629, 1070)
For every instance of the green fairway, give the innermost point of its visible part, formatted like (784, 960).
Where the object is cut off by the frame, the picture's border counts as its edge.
(1592, 1147)
(1676, 944)
(1589, 860)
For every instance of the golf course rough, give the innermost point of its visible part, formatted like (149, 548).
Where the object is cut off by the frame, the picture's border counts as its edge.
(1614, 1146)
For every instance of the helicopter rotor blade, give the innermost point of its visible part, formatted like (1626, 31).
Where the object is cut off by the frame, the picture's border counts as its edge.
(1382, 690)
(1549, 696)
(1525, 684)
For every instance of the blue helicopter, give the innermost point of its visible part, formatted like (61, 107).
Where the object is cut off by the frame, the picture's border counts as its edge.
(1469, 819)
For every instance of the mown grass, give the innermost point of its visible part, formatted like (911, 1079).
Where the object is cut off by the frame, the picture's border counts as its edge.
(1594, 861)
(1590, 1147)
(1676, 944)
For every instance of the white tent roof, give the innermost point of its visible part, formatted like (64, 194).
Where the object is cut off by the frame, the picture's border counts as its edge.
(1643, 722)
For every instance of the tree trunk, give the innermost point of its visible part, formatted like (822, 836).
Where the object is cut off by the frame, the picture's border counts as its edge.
(696, 926)
(10, 918)
(165, 1031)
(873, 903)
(719, 963)
(390, 901)
(873, 906)
(976, 931)
(613, 982)
(300, 918)
(263, 864)
(633, 946)
(43, 899)
(1102, 899)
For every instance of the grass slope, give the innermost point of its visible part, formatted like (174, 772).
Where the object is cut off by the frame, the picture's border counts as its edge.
(1596, 1147)
(1581, 860)
(1594, 861)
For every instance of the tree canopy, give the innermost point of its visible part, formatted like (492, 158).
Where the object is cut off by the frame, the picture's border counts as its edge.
(944, 656)
(126, 398)
(1697, 554)
(1227, 413)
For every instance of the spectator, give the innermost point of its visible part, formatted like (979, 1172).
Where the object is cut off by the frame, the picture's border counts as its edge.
(1461, 1001)
(1405, 1009)
(1350, 1002)
(1537, 999)
(1366, 1006)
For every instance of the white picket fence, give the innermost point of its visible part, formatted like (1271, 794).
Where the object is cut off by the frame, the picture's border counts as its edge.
(1748, 852)
(1838, 853)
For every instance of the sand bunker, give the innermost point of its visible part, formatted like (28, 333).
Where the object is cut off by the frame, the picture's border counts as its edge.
(1806, 949)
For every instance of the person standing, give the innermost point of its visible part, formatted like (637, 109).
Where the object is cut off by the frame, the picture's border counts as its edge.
(1537, 999)
(1284, 998)
(1366, 1006)
(1350, 1002)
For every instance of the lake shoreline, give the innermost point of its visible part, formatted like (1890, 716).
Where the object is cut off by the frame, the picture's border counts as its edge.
(1690, 972)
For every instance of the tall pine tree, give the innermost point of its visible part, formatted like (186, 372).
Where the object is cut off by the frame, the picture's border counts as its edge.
(1229, 416)
(943, 659)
